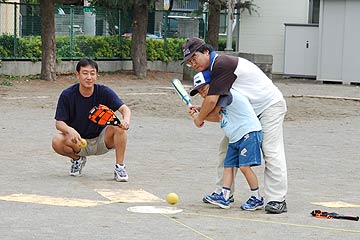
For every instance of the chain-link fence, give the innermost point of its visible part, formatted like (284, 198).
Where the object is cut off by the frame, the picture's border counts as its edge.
(88, 32)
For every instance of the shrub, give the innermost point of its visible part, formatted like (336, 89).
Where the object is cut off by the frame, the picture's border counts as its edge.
(97, 47)
(222, 44)
(29, 48)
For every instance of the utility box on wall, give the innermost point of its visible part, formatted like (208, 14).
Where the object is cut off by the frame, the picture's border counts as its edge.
(301, 49)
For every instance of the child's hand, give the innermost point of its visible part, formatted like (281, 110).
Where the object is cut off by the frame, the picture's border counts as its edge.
(194, 114)
(193, 109)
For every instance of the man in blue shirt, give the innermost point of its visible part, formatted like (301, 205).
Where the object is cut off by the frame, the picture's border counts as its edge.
(73, 124)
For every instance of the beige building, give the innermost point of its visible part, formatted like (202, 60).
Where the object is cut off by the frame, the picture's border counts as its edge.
(7, 13)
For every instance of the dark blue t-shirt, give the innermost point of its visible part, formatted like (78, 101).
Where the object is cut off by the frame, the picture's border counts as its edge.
(73, 108)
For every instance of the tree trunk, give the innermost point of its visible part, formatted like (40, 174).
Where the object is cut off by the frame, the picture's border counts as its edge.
(212, 36)
(138, 44)
(48, 57)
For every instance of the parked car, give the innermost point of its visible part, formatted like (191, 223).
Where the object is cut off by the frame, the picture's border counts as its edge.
(148, 35)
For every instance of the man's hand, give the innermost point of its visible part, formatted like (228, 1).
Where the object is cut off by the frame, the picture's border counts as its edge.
(126, 114)
(74, 136)
(125, 125)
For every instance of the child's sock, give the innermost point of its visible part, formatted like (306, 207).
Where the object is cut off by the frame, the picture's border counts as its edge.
(226, 193)
(255, 192)
(119, 165)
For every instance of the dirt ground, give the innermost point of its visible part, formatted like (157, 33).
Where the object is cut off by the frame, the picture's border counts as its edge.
(167, 153)
(153, 96)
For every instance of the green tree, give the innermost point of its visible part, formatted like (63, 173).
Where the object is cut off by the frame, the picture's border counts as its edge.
(139, 9)
(48, 46)
(214, 8)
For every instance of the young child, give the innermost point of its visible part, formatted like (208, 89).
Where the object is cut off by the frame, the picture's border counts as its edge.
(242, 127)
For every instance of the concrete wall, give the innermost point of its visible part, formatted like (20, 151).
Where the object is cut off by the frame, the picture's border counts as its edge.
(264, 34)
(25, 68)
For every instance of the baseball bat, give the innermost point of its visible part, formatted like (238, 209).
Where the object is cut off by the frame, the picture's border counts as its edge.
(180, 89)
(184, 95)
(321, 214)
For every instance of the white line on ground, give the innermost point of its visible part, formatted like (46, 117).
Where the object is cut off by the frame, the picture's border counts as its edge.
(132, 94)
(16, 98)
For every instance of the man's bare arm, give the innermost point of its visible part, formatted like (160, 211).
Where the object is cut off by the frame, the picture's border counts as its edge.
(126, 114)
(208, 106)
(214, 116)
(73, 135)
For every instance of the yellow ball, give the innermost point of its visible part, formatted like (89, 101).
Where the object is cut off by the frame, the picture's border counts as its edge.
(172, 198)
(83, 143)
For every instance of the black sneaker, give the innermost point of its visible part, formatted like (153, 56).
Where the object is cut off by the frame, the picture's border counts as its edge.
(276, 207)
(231, 198)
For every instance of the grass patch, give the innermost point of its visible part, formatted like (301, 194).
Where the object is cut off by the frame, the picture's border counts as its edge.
(6, 83)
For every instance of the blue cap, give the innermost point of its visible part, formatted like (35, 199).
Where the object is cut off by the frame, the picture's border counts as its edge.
(200, 79)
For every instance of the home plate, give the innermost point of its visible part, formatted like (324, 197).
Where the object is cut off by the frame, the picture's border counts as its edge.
(55, 201)
(128, 196)
(154, 209)
(338, 204)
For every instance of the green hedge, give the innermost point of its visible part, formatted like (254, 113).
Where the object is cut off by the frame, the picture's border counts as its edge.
(222, 44)
(97, 47)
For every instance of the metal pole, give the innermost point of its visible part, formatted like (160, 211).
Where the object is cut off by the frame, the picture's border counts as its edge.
(165, 30)
(119, 31)
(15, 30)
(89, 19)
(0, 20)
(238, 28)
(205, 26)
(71, 31)
(231, 4)
(166, 8)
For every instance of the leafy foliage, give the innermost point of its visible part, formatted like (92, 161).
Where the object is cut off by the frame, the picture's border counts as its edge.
(6, 83)
(97, 47)
(222, 44)
(247, 5)
(6, 45)
(63, 49)
(4, 52)
(119, 5)
(30, 48)
(113, 4)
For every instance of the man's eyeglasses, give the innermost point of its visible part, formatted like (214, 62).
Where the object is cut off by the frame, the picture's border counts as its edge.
(192, 61)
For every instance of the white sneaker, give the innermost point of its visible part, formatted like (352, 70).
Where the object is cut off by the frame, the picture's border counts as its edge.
(120, 173)
(77, 166)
